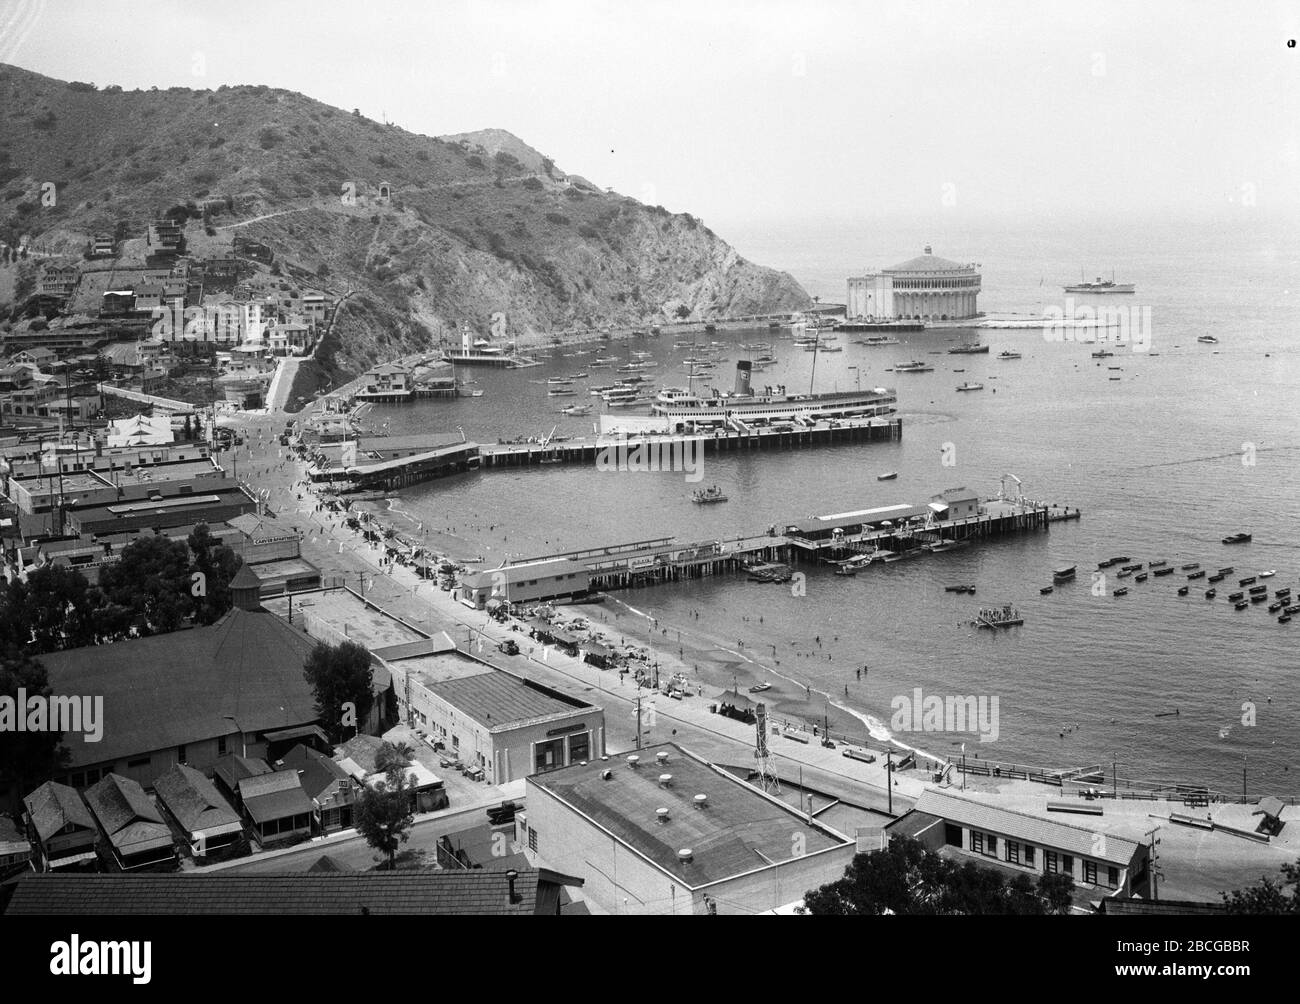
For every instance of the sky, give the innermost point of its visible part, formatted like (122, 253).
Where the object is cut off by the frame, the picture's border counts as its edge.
(742, 112)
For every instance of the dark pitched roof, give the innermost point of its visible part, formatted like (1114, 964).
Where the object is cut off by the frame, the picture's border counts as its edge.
(125, 813)
(245, 578)
(194, 800)
(53, 806)
(243, 672)
(233, 768)
(316, 771)
(274, 796)
(474, 892)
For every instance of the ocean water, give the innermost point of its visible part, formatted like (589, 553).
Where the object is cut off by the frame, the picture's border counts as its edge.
(1191, 443)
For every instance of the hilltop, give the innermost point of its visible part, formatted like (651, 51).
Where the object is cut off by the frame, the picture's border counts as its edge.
(473, 224)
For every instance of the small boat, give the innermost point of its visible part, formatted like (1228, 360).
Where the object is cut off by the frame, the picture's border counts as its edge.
(1122, 591)
(1217, 577)
(1282, 594)
(1140, 577)
(558, 381)
(1137, 567)
(561, 392)
(1063, 573)
(1234, 597)
(1008, 355)
(1211, 593)
(1241, 605)
(946, 545)
(913, 367)
(1284, 619)
(1157, 564)
(1291, 608)
(970, 386)
(1269, 574)
(969, 349)
(1258, 590)
(959, 589)
(709, 495)
(1196, 575)
(758, 688)
(846, 570)
(1184, 590)
(1167, 570)
(1103, 354)
(1248, 581)
(889, 476)
(1207, 339)
(1227, 571)
(1237, 538)
(1123, 573)
(1275, 607)
(1045, 590)
(476, 393)
(1192, 567)
(576, 409)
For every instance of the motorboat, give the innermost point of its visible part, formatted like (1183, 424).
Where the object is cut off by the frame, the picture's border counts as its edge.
(913, 366)
(1196, 575)
(1045, 590)
(706, 496)
(970, 386)
(1008, 354)
(1211, 593)
(1207, 339)
(1063, 573)
(889, 476)
(1184, 590)
(758, 688)
(1237, 538)
(1269, 574)
(1122, 591)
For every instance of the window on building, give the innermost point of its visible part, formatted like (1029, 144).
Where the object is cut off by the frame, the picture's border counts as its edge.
(142, 762)
(1112, 877)
(180, 754)
(1067, 864)
(1013, 852)
(221, 745)
(548, 755)
(579, 747)
(455, 742)
(532, 839)
(992, 843)
(1090, 872)
(1029, 855)
(977, 841)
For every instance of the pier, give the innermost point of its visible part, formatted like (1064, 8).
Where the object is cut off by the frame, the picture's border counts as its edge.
(587, 451)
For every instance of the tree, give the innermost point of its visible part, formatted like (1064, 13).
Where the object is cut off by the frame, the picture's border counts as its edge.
(393, 754)
(152, 581)
(27, 759)
(1270, 896)
(53, 609)
(340, 678)
(384, 814)
(218, 565)
(1057, 890)
(188, 430)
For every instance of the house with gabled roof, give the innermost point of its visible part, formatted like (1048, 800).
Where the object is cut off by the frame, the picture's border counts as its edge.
(332, 792)
(203, 815)
(276, 806)
(61, 827)
(136, 834)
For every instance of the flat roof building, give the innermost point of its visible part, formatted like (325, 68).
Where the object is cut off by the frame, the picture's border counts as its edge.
(528, 582)
(664, 831)
(1027, 842)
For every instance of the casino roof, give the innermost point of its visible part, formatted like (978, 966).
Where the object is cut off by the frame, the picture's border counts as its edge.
(929, 263)
(739, 830)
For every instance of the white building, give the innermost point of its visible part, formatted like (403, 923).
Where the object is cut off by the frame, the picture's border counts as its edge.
(924, 288)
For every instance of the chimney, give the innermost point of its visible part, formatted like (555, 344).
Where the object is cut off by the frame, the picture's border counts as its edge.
(511, 875)
(743, 368)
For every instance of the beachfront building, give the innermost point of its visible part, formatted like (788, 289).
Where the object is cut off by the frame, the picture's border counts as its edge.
(505, 726)
(973, 829)
(955, 503)
(924, 288)
(527, 582)
(664, 831)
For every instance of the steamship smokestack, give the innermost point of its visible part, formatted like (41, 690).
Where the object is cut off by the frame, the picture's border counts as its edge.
(742, 377)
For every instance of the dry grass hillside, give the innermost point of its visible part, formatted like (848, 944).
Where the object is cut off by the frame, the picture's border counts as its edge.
(476, 224)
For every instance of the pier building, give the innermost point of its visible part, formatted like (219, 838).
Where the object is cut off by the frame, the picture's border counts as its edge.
(924, 288)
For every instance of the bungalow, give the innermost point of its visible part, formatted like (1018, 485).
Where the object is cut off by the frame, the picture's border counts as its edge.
(15, 849)
(62, 827)
(148, 297)
(955, 503)
(277, 806)
(233, 768)
(357, 758)
(206, 819)
(333, 794)
(102, 246)
(136, 833)
(58, 281)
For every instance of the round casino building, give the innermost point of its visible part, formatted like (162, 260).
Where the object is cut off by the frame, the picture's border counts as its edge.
(924, 288)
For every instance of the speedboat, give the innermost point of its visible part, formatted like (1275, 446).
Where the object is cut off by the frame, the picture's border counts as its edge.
(1207, 339)
(1269, 574)
(1008, 355)
(758, 688)
(887, 476)
(970, 386)
(1237, 538)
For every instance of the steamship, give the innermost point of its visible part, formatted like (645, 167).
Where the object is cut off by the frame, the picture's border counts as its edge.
(773, 404)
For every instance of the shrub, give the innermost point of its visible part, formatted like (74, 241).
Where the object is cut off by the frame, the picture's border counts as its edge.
(269, 138)
(557, 218)
(77, 85)
(45, 121)
(591, 233)
(474, 160)
(533, 185)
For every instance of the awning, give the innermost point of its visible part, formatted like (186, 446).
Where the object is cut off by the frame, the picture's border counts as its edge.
(72, 859)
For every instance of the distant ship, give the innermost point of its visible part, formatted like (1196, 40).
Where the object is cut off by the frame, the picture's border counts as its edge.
(1101, 286)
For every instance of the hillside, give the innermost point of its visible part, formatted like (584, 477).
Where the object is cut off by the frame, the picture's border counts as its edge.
(476, 224)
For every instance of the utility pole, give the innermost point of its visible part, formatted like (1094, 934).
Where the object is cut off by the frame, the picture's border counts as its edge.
(889, 778)
(638, 718)
(1154, 864)
(1243, 779)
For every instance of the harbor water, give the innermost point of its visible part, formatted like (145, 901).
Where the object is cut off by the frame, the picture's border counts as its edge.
(1192, 442)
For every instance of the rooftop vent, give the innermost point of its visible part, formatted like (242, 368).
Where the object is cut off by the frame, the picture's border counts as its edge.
(685, 855)
(661, 814)
(632, 761)
(665, 780)
(701, 800)
(661, 757)
(605, 775)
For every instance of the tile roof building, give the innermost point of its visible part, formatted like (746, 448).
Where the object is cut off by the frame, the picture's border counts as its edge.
(478, 892)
